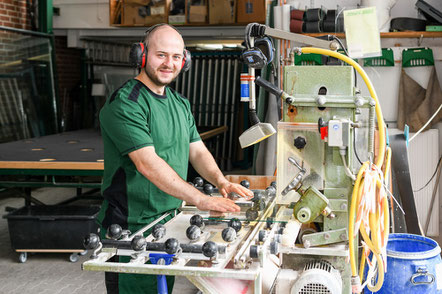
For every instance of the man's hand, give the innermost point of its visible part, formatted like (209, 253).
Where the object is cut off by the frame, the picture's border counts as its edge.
(217, 204)
(228, 187)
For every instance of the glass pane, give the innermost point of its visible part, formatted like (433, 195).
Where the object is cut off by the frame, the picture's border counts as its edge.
(27, 100)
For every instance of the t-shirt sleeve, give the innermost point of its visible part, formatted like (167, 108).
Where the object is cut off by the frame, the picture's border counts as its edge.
(124, 121)
(194, 136)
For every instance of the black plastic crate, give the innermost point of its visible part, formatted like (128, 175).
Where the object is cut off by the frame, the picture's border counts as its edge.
(51, 226)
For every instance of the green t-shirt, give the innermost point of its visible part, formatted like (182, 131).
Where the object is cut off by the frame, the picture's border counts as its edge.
(134, 117)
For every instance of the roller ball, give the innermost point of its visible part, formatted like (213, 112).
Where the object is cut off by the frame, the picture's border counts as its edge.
(209, 249)
(114, 232)
(251, 214)
(273, 184)
(171, 246)
(91, 241)
(245, 183)
(197, 220)
(235, 224)
(158, 231)
(138, 243)
(208, 189)
(198, 181)
(193, 232)
(228, 234)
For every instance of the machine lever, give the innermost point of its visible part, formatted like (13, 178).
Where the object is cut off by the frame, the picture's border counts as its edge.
(297, 179)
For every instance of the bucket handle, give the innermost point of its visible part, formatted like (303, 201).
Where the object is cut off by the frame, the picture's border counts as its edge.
(421, 272)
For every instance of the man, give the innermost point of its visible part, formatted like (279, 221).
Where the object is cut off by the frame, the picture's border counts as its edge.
(149, 136)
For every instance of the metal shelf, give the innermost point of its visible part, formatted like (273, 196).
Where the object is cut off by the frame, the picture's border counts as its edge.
(134, 34)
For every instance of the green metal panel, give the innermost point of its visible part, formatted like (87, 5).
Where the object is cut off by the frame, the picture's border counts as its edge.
(45, 13)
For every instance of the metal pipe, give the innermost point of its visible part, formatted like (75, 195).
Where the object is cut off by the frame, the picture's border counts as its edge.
(195, 79)
(209, 83)
(189, 82)
(202, 83)
(220, 103)
(225, 110)
(371, 128)
(215, 84)
(232, 113)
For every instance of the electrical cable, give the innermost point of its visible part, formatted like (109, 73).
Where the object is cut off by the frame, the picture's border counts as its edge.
(354, 148)
(346, 53)
(434, 174)
(426, 124)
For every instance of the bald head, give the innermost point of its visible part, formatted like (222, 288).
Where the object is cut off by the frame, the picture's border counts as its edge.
(163, 33)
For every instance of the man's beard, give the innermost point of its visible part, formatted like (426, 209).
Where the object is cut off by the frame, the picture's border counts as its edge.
(155, 79)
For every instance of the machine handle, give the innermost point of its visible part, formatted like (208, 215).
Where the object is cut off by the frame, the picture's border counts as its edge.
(268, 86)
(421, 272)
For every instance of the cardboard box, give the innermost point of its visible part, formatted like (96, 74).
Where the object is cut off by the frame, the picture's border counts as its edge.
(145, 12)
(222, 11)
(115, 12)
(251, 11)
(177, 12)
(196, 12)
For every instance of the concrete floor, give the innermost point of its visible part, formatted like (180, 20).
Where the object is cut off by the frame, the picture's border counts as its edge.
(51, 273)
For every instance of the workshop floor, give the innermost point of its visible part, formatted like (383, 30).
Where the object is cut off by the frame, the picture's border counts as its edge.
(51, 273)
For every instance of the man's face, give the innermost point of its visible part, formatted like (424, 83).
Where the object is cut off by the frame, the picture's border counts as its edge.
(164, 56)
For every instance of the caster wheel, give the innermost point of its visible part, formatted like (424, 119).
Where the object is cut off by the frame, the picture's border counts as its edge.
(83, 253)
(23, 257)
(73, 257)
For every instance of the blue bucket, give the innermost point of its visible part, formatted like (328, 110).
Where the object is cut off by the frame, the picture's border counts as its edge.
(413, 265)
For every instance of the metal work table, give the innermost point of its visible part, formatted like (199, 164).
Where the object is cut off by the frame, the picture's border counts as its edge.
(71, 159)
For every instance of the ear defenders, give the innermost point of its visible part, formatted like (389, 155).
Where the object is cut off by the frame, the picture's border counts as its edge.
(138, 51)
(261, 54)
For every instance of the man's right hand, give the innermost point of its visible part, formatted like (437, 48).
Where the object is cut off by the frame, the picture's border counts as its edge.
(220, 204)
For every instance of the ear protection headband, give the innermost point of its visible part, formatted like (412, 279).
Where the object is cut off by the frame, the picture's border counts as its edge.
(138, 51)
(261, 54)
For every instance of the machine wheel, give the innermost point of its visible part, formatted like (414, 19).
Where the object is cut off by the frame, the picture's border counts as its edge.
(73, 257)
(23, 257)
(83, 253)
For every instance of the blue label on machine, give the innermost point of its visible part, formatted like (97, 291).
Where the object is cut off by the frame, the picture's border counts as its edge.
(245, 90)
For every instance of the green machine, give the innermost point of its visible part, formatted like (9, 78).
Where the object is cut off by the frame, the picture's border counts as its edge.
(324, 119)
(316, 163)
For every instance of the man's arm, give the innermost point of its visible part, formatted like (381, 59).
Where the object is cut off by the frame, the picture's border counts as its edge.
(156, 170)
(204, 163)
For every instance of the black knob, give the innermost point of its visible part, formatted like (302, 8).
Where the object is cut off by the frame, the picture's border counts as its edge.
(235, 224)
(193, 232)
(251, 214)
(209, 249)
(91, 241)
(262, 234)
(228, 234)
(300, 142)
(254, 251)
(274, 247)
(158, 231)
(269, 222)
(138, 243)
(271, 191)
(196, 220)
(208, 189)
(114, 232)
(245, 183)
(172, 245)
(257, 195)
(198, 181)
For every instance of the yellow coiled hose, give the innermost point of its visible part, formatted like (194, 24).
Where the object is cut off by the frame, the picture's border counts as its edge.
(373, 243)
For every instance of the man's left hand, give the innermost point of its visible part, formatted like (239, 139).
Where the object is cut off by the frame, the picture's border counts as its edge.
(229, 187)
